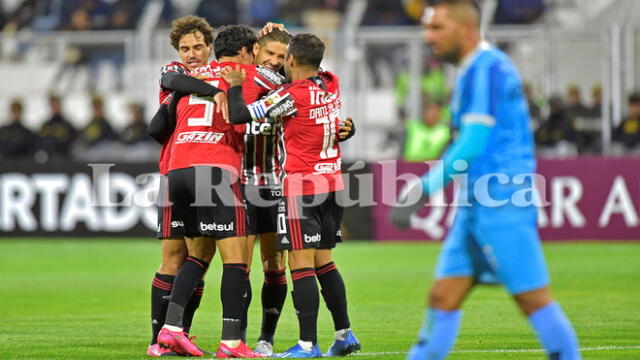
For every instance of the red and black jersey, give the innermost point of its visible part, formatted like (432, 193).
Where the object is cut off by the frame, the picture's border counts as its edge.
(260, 164)
(165, 98)
(202, 137)
(308, 112)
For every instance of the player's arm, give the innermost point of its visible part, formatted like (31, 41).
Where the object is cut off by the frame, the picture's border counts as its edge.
(158, 128)
(475, 131)
(273, 106)
(188, 84)
(476, 124)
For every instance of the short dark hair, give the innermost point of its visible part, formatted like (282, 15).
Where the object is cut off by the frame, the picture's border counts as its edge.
(231, 39)
(188, 25)
(307, 49)
(473, 3)
(16, 104)
(634, 98)
(275, 35)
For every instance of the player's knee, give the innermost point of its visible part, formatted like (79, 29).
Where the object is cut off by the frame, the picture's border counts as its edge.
(441, 299)
(273, 261)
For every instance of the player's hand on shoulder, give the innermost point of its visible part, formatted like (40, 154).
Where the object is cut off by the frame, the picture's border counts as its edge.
(410, 200)
(268, 27)
(347, 129)
(235, 77)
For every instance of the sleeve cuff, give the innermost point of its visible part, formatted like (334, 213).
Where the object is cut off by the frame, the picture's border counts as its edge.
(482, 119)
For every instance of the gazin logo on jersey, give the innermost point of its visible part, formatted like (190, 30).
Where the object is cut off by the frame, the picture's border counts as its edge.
(326, 168)
(199, 137)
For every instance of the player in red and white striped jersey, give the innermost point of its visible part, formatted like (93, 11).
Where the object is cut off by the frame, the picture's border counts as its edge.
(309, 214)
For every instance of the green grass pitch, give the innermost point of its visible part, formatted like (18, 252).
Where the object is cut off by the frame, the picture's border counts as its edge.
(89, 299)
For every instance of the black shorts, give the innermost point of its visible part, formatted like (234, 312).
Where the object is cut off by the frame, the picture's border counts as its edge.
(304, 226)
(173, 227)
(262, 208)
(209, 202)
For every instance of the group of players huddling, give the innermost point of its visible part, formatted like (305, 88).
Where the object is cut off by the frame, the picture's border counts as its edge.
(232, 172)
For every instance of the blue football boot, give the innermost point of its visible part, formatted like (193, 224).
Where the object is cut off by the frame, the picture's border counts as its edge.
(349, 345)
(297, 352)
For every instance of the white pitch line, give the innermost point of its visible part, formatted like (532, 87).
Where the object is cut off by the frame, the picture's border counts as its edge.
(593, 348)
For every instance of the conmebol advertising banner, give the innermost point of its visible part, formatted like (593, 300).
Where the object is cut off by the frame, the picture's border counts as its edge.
(70, 199)
(583, 198)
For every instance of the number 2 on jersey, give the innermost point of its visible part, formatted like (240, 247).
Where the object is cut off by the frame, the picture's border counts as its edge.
(209, 108)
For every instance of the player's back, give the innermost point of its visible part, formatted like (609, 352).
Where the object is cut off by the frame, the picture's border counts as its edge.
(490, 85)
(309, 136)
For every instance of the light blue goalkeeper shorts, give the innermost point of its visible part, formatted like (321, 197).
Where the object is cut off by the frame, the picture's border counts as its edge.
(502, 242)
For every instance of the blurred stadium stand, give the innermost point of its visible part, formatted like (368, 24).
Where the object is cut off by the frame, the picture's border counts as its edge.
(114, 48)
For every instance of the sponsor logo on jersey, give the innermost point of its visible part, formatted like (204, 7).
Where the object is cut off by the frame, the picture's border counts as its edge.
(271, 76)
(175, 224)
(326, 168)
(216, 227)
(258, 128)
(199, 137)
(309, 239)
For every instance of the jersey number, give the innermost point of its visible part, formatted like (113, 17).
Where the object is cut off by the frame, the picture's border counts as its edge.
(282, 226)
(209, 108)
(329, 150)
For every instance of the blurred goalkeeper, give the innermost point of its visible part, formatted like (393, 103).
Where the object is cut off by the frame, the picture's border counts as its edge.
(496, 232)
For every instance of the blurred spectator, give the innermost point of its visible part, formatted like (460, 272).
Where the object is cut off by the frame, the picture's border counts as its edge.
(387, 13)
(262, 11)
(589, 124)
(575, 108)
(47, 15)
(22, 16)
(433, 84)
(595, 111)
(16, 141)
(124, 14)
(534, 109)
(628, 132)
(136, 131)
(557, 127)
(291, 12)
(518, 11)
(85, 15)
(98, 130)
(427, 137)
(220, 12)
(57, 134)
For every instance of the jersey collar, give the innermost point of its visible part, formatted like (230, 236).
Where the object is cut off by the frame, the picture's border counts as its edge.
(467, 60)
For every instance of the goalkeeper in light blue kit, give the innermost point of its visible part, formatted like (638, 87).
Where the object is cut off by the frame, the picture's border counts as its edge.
(496, 232)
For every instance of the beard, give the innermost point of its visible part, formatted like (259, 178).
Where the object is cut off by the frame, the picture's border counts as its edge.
(453, 56)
